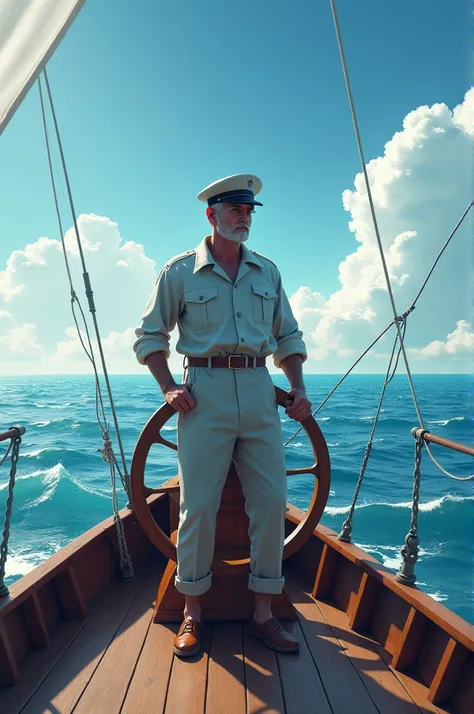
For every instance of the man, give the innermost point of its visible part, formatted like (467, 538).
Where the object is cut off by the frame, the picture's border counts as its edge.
(232, 313)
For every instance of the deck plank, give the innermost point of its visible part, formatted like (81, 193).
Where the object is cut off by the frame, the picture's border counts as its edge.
(187, 687)
(300, 679)
(62, 689)
(416, 689)
(330, 658)
(38, 664)
(108, 685)
(385, 689)
(226, 677)
(262, 678)
(149, 685)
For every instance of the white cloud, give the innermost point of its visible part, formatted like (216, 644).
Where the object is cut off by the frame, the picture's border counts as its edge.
(420, 187)
(460, 342)
(21, 342)
(37, 331)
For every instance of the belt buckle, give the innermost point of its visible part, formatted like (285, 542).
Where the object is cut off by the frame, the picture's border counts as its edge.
(229, 361)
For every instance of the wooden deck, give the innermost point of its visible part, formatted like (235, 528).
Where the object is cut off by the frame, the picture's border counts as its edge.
(117, 661)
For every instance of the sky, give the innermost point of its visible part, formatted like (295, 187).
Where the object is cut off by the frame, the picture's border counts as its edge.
(157, 100)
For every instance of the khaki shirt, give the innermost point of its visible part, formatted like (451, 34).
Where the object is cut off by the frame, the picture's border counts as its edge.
(215, 316)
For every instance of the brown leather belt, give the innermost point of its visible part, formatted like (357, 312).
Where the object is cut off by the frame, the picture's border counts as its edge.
(231, 362)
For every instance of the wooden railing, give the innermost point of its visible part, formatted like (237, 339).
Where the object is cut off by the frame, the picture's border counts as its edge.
(431, 438)
(12, 432)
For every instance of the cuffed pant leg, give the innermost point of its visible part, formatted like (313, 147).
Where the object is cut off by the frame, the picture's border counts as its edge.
(206, 440)
(260, 461)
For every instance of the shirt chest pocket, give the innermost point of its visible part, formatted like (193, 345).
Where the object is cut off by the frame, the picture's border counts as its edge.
(203, 309)
(263, 304)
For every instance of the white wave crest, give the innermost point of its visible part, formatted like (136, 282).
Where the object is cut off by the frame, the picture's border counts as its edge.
(439, 597)
(49, 477)
(426, 507)
(38, 452)
(49, 480)
(445, 422)
(18, 565)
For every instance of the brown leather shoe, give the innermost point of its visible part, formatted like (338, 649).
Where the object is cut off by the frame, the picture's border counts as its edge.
(273, 634)
(186, 643)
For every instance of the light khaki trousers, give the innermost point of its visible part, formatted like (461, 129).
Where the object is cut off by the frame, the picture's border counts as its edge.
(235, 418)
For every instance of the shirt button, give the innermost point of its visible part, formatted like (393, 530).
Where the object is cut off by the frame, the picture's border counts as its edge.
(201, 297)
(239, 314)
(242, 339)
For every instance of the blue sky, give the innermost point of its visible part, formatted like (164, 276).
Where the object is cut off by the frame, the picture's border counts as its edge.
(156, 100)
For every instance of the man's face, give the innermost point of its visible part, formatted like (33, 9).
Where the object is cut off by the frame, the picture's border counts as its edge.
(234, 221)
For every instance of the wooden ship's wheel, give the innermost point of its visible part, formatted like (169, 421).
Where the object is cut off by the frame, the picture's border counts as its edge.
(228, 597)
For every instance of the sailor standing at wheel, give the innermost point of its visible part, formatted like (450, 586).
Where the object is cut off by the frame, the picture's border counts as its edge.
(232, 313)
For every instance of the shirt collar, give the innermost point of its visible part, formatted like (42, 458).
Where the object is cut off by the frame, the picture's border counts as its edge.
(204, 257)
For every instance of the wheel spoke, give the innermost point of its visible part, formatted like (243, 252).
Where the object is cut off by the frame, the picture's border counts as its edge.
(161, 489)
(308, 470)
(161, 440)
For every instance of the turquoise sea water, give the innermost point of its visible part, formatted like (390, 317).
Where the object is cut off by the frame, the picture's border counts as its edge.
(63, 485)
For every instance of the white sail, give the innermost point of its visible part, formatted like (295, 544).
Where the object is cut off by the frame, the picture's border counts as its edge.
(30, 31)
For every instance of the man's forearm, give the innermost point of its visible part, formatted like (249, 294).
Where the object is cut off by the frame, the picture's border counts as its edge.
(292, 367)
(158, 366)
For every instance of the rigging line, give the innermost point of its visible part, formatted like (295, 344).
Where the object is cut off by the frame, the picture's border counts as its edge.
(402, 317)
(341, 380)
(387, 381)
(399, 352)
(5, 455)
(74, 297)
(346, 530)
(104, 426)
(442, 251)
(372, 209)
(53, 182)
(88, 287)
(447, 473)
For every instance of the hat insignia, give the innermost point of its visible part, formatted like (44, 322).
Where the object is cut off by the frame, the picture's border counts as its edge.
(250, 182)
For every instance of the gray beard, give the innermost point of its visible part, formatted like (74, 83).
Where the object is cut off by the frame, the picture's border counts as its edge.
(231, 233)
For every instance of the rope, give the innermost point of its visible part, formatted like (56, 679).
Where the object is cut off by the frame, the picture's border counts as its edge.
(88, 287)
(15, 452)
(125, 560)
(447, 473)
(409, 551)
(108, 454)
(5, 455)
(400, 318)
(379, 242)
(442, 250)
(372, 210)
(340, 381)
(346, 531)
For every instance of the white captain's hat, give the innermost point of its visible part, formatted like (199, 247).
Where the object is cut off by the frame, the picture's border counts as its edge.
(239, 188)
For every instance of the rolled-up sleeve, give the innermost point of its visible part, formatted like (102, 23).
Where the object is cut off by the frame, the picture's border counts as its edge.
(288, 336)
(160, 317)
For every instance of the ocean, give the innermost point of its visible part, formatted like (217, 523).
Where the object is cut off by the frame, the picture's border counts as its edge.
(63, 485)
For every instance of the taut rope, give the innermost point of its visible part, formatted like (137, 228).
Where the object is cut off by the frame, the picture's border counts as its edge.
(107, 451)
